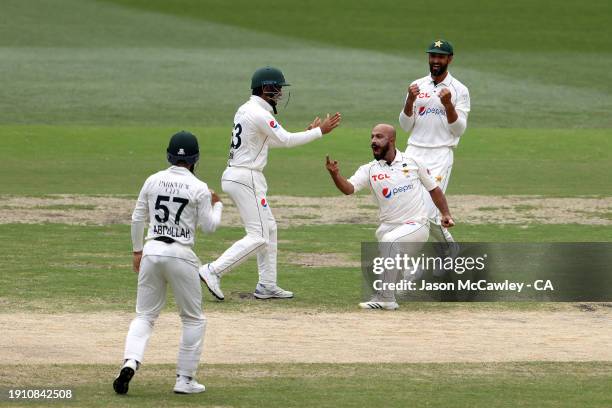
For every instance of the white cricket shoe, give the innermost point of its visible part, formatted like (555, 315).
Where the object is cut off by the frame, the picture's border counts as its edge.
(187, 385)
(271, 291)
(376, 304)
(212, 281)
(122, 382)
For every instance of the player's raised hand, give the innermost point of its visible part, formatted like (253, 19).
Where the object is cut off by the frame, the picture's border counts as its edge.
(330, 123)
(447, 221)
(445, 96)
(331, 165)
(315, 123)
(413, 92)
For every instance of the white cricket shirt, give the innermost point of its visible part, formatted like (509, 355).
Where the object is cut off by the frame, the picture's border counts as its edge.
(397, 188)
(256, 129)
(428, 125)
(176, 202)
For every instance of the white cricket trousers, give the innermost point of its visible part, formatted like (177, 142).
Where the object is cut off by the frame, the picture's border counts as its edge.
(399, 239)
(247, 189)
(439, 161)
(178, 265)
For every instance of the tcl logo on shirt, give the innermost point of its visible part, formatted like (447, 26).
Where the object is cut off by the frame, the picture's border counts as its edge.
(424, 95)
(380, 177)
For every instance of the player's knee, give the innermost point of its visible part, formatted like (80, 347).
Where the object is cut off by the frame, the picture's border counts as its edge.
(387, 238)
(148, 318)
(194, 320)
(258, 239)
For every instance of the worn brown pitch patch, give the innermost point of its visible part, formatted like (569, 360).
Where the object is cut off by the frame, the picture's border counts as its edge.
(292, 211)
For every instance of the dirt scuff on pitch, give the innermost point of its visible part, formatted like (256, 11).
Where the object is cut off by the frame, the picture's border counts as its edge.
(321, 260)
(292, 211)
(449, 336)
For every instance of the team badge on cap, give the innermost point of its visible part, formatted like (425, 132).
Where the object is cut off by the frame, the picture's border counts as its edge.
(440, 47)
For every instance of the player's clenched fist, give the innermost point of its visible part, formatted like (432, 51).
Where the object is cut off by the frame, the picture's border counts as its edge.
(413, 92)
(447, 221)
(330, 123)
(445, 96)
(331, 165)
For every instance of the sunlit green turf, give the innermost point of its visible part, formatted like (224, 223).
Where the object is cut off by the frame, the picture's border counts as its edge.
(40, 273)
(471, 385)
(188, 62)
(92, 89)
(39, 160)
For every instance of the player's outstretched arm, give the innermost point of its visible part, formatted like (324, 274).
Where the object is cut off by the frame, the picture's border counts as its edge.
(279, 137)
(440, 201)
(334, 171)
(330, 123)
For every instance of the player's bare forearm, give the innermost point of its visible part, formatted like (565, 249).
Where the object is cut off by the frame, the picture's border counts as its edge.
(446, 100)
(440, 201)
(413, 92)
(451, 113)
(342, 184)
(408, 108)
(136, 261)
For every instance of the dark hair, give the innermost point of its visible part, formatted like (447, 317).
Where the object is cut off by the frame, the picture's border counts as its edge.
(258, 91)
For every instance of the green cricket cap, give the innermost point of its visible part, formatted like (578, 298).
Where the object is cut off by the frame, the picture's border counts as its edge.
(440, 47)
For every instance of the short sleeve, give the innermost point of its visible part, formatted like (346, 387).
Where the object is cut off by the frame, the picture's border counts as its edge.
(361, 178)
(425, 176)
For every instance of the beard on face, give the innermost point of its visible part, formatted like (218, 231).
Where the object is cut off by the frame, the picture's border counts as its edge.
(272, 98)
(439, 71)
(382, 153)
(272, 103)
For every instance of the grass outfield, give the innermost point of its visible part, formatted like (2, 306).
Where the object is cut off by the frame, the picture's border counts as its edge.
(92, 89)
(102, 63)
(38, 160)
(537, 385)
(40, 274)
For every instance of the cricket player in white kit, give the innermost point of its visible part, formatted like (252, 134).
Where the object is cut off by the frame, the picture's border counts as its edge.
(397, 183)
(435, 114)
(255, 130)
(176, 202)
